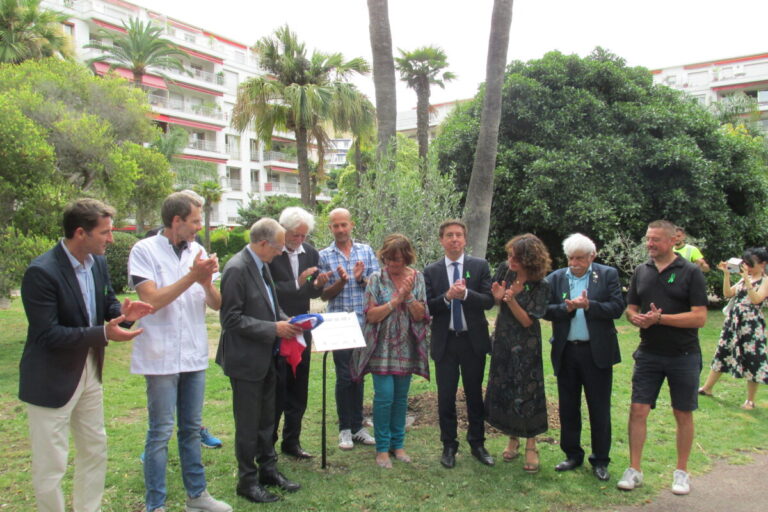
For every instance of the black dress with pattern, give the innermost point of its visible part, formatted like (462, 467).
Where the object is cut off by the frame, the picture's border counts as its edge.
(514, 400)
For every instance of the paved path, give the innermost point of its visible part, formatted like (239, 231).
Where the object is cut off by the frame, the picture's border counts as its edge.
(726, 488)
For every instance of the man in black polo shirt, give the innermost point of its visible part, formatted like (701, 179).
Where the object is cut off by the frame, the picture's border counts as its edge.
(667, 300)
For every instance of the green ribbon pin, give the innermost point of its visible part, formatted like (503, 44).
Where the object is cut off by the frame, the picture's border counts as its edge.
(565, 294)
(671, 278)
(466, 275)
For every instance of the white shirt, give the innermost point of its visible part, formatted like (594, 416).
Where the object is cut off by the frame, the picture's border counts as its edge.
(293, 257)
(449, 268)
(175, 338)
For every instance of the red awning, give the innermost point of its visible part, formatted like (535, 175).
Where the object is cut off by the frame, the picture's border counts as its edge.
(185, 122)
(110, 26)
(283, 169)
(149, 80)
(203, 158)
(198, 89)
(201, 55)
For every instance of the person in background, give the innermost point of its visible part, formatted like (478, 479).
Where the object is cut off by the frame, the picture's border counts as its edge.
(458, 294)
(297, 280)
(396, 343)
(741, 350)
(67, 297)
(514, 399)
(348, 264)
(689, 252)
(667, 300)
(585, 298)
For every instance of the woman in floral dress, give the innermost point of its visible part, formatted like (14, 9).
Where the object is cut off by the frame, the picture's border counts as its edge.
(741, 350)
(395, 332)
(515, 401)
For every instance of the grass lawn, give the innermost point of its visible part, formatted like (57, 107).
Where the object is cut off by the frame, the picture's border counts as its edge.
(353, 482)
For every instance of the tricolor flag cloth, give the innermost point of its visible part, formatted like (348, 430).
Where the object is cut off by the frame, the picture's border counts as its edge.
(292, 348)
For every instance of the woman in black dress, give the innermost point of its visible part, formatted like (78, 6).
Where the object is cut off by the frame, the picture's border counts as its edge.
(515, 401)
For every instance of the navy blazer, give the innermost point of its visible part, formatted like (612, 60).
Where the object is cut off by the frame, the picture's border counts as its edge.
(479, 299)
(248, 323)
(59, 336)
(606, 303)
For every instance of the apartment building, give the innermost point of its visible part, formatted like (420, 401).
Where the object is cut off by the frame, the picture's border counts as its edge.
(711, 81)
(406, 119)
(200, 102)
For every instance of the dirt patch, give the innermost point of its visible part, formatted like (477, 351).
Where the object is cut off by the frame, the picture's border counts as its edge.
(423, 409)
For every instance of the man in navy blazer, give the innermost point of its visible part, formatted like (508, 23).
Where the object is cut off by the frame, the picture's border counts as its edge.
(458, 293)
(67, 296)
(585, 299)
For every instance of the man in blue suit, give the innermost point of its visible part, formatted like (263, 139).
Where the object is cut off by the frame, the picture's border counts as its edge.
(67, 297)
(585, 299)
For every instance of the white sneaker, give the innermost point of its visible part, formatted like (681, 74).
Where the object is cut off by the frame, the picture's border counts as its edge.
(206, 503)
(631, 479)
(345, 440)
(681, 482)
(362, 436)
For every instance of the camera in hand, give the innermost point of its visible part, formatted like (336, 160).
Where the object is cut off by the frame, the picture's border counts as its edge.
(734, 265)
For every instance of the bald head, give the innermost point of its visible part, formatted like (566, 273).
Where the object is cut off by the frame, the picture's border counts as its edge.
(340, 224)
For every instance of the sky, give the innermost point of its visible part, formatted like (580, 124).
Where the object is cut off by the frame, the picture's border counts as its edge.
(649, 33)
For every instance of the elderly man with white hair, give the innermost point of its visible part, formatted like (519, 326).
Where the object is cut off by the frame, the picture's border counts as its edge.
(297, 280)
(585, 299)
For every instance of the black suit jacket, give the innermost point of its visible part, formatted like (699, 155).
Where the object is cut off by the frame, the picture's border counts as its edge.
(248, 324)
(479, 299)
(58, 336)
(606, 303)
(295, 301)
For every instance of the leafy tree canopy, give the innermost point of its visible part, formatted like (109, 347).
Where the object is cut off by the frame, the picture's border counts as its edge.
(591, 145)
(68, 133)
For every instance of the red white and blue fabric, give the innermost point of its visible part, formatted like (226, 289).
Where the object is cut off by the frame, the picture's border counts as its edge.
(292, 348)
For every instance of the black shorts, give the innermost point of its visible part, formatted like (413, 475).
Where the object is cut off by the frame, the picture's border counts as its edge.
(682, 374)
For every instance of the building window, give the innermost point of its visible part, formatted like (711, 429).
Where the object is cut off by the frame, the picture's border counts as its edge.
(254, 150)
(239, 57)
(68, 29)
(233, 178)
(190, 38)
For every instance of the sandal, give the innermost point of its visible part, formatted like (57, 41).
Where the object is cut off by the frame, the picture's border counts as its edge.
(531, 467)
(384, 463)
(510, 455)
(704, 392)
(748, 405)
(402, 456)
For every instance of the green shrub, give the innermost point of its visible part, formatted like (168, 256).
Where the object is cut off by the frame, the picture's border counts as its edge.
(117, 259)
(16, 252)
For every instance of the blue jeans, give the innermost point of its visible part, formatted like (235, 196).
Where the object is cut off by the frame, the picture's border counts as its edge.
(390, 403)
(167, 395)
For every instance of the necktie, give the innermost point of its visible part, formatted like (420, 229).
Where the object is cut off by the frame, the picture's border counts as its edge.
(268, 284)
(458, 325)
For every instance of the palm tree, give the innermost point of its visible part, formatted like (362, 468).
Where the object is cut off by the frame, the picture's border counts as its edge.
(383, 73)
(477, 214)
(211, 192)
(140, 48)
(305, 95)
(421, 69)
(29, 32)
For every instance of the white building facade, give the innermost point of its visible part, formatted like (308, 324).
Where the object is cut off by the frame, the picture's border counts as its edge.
(200, 102)
(709, 82)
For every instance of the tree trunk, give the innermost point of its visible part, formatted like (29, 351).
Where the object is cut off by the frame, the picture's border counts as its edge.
(477, 210)
(305, 184)
(422, 125)
(383, 74)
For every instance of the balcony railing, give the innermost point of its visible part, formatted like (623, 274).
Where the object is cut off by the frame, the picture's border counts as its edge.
(233, 150)
(203, 145)
(159, 101)
(279, 155)
(197, 74)
(233, 183)
(284, 188)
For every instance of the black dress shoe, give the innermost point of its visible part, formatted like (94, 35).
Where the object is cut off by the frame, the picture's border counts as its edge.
(601, 472)
(297, 452)
(481, 454)
(448, 460)
(568, 465)
(256, 494)
(277, 478)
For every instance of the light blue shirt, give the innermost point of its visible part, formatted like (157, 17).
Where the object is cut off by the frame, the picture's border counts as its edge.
(260, 264)
(578, 330)
(85, 279)
(352, 296)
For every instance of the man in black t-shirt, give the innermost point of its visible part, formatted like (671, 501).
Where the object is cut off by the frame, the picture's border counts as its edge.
(667, 300)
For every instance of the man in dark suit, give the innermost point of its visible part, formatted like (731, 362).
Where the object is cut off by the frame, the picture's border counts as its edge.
(458, 293)
(297, 280)
(67, 296)
(251, 325)
(584, 301)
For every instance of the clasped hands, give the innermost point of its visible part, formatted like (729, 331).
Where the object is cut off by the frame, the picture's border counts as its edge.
(357, 272)
(202, 270)
(502, 293)
(403, 293)
(131, 310)
(580, 302)
(319, 281)
(647, 319)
